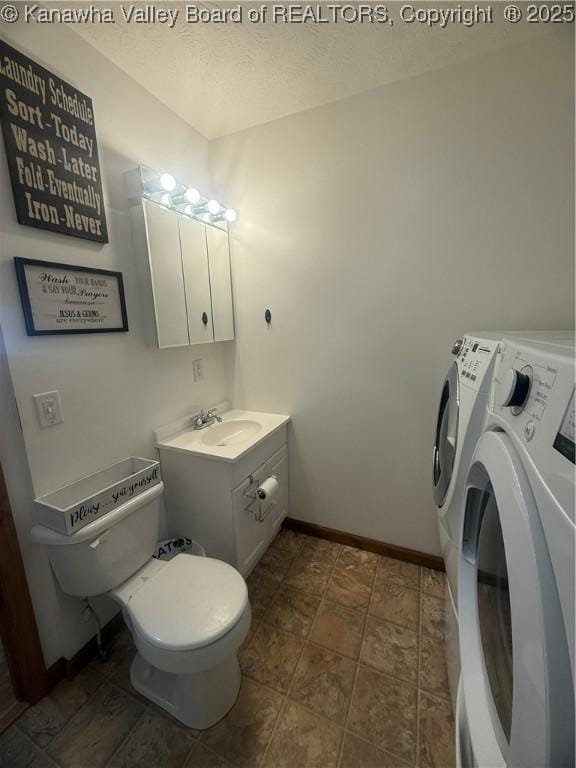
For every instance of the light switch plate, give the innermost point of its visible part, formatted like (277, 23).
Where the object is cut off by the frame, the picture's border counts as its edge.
(49, 408)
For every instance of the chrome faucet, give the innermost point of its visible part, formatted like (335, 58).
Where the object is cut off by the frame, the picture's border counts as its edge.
(205, 419)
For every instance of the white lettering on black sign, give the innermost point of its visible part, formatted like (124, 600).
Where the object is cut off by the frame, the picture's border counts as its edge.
(50, 140)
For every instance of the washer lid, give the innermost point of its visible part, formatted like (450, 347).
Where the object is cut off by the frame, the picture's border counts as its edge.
(190, 602)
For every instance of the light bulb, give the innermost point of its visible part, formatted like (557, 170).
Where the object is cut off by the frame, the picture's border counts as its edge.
(166, 200)
(192, 196)
(167, 182)
(213, 207)
(230, 215)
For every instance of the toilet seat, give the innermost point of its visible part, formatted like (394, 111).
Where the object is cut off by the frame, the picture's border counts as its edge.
(183, 604)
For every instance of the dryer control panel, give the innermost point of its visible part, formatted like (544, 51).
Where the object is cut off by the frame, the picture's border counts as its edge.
(533, 394)
(474, 360)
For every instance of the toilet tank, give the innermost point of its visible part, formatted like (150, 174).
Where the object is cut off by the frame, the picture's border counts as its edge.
(108, 551)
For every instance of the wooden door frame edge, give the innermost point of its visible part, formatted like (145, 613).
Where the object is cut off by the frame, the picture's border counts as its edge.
(30, 677)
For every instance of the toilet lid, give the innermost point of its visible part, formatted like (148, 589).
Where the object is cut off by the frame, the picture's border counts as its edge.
(190, 602)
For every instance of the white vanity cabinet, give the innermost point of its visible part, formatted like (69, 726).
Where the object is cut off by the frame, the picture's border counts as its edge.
(214, 501)
(184, 275)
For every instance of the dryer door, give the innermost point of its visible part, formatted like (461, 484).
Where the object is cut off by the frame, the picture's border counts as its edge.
(515, 667)
(445, 443)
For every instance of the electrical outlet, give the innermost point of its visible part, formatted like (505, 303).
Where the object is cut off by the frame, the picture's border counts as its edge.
(198, 369)
(49, 408)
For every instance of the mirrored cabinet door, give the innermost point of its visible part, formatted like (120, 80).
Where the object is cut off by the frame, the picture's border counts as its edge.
(165, 261)
(196, 280)
(220, 283)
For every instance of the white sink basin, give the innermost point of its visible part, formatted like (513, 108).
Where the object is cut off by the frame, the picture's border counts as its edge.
(239, 432)
(232, 432)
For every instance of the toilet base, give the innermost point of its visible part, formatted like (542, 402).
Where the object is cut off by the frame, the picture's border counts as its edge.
(198, 700)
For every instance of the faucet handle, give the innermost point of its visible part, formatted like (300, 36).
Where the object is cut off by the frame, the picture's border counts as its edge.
(211, 413)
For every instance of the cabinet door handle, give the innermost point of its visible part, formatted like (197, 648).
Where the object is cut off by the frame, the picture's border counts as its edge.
(204, 318)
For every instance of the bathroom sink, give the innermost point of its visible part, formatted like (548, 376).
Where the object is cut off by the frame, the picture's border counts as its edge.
(239, 432)
(231, 432)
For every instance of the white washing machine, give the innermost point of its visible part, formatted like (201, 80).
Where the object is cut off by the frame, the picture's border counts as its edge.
(516, 570)
(462, 414)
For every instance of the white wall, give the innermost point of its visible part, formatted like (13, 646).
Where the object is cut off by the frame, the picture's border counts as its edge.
(378, 229)
(114, 389)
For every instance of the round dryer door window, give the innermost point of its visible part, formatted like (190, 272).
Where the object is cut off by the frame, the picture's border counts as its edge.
(519, 709)
(446, 440)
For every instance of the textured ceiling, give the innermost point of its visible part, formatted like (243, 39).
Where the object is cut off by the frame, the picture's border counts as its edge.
(222, 78)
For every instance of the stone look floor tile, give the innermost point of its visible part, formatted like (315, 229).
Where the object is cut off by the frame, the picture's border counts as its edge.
(201, 757)
(433, 582)
(433, 616)
(261, 591)
(339, 629)
(399, 572)
(391, 649)
(43, 721)
(120, 653)
(289, 541)
(320, 549)
(41, 761)
(90, 722)
(323, 683)
(241, 737)
(351, 588)
(293, 612)
(309, 576)
(16, 750)
(274, 565)
(271, 657)
(383, 711)
(351, 558)
(97, 729)
(396, 604)
(303, 740)
(358, 753)
(155, 742)
(436, 747)
(433, 671)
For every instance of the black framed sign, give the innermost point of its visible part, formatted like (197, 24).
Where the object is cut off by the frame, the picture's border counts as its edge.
(51, 148)
(64, 298)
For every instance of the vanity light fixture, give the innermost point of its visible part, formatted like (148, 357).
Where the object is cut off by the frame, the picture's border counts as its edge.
(190, 195)
(167, 182)
(163, 188)
(228, 215)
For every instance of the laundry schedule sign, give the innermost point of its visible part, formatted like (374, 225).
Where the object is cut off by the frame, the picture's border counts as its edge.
(50, 139)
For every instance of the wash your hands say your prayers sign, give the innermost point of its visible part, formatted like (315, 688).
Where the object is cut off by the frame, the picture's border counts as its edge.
(50, 141)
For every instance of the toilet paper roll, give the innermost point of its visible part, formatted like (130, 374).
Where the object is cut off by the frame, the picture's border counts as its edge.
(268, 488)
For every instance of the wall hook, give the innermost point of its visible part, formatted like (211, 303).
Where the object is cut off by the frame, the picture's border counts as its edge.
(268, 316)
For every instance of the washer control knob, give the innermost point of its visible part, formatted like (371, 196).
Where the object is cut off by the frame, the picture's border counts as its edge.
(514, 388)
(457, 346)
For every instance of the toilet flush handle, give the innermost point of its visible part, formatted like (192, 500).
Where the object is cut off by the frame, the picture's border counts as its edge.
(99, 540)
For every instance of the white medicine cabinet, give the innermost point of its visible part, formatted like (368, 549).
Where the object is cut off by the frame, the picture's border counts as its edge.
(184, 274)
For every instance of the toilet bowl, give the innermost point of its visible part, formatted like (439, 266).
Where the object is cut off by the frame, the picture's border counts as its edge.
(188, 616)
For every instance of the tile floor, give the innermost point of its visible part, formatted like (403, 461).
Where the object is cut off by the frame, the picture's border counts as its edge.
(343, 667)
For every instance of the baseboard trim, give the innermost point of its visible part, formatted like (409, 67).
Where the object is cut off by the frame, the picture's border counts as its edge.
(69, 668)
(362, 542)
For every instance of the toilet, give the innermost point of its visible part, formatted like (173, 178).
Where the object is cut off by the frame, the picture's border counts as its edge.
(188, 616)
